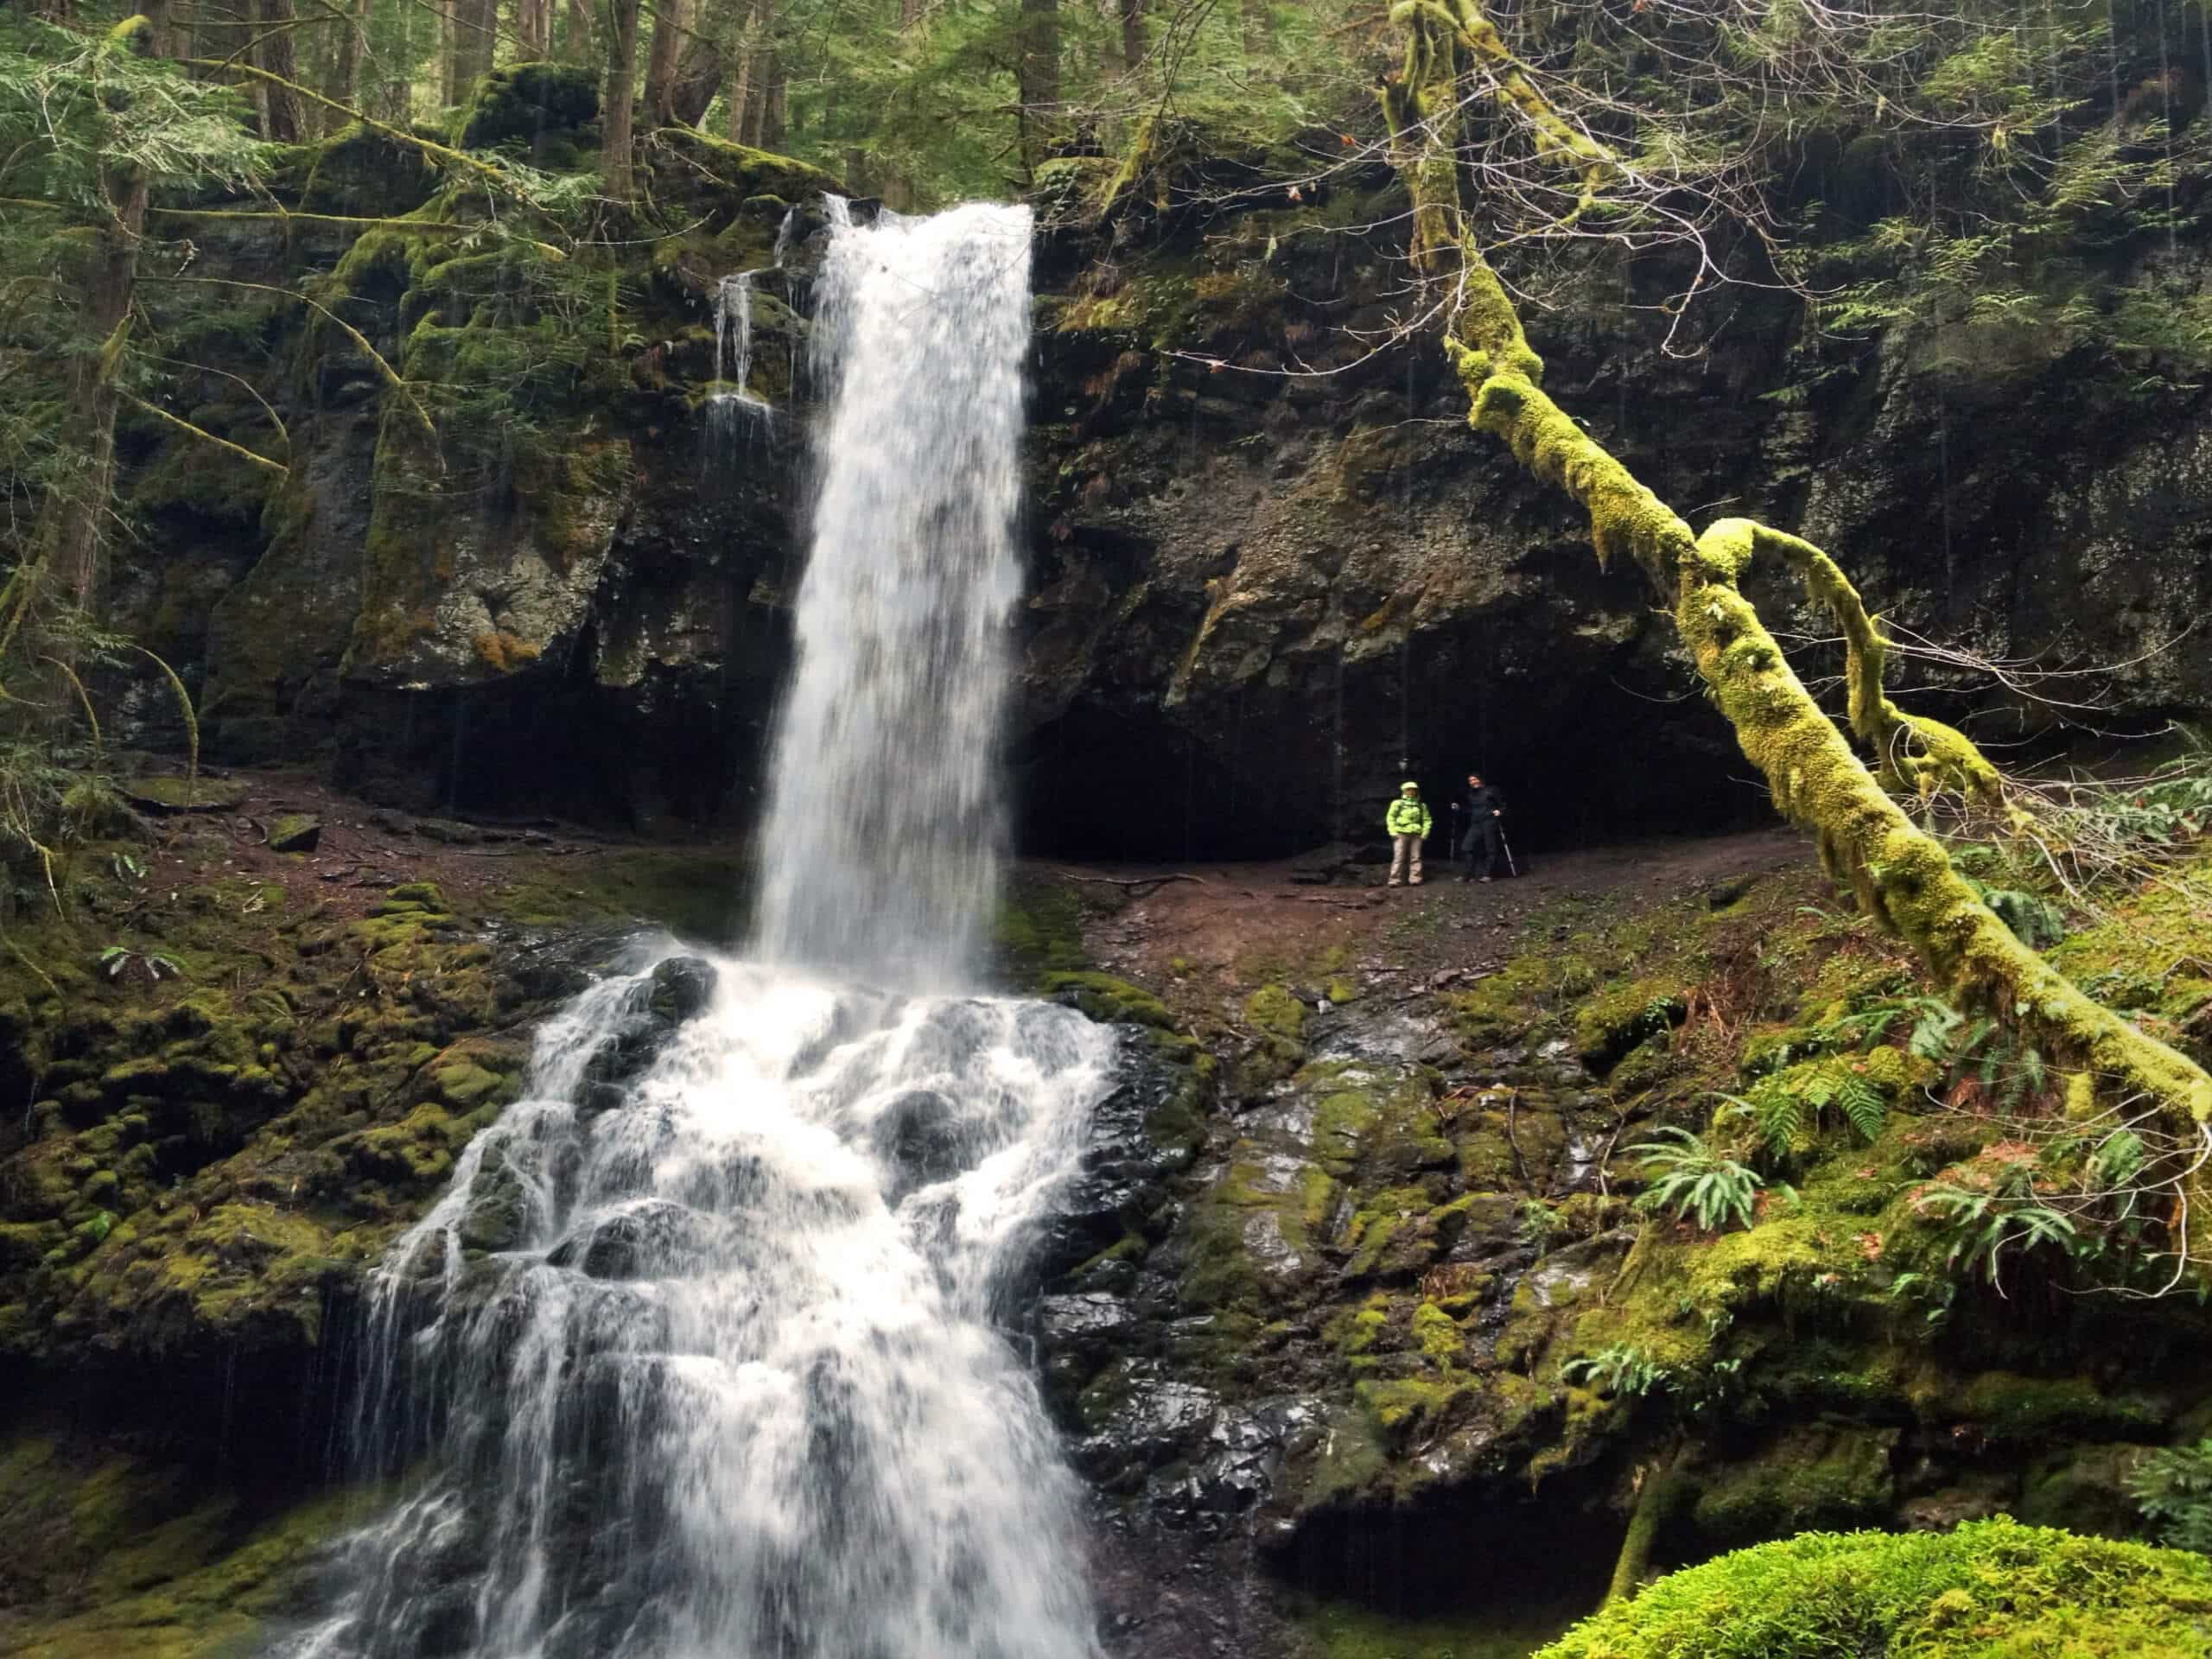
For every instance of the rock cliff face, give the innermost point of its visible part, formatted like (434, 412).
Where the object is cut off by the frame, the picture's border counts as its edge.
(548, 567)
(1273, 570)
(1275, 565)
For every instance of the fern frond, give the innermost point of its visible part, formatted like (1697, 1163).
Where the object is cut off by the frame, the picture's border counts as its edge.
(1862, 1102)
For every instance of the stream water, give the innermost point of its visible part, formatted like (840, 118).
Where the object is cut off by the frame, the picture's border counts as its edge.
(728, 1380)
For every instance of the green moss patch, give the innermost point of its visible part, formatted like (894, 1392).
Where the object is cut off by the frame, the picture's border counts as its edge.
(1991, 1590)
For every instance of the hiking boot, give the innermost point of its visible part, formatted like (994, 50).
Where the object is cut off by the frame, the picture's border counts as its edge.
(1394, 882)
(1414, 882)
(1483, 877)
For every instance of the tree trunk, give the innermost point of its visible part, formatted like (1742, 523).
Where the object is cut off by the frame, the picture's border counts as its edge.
(1038, 76)
(699, 75)
(747, 63)
(576, 46)
(775, 101)
(909, 13)
(1132, 33)
(161, 29)
(1659, 1489)
(177, 40)
(534, 29)
(346, 72)
(449, 45)
(660, 62)
(476, 33)
(620, 105)
(79, 501)
(272, 25)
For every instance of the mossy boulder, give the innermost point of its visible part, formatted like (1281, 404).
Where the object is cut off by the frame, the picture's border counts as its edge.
(1107, 999)
(1814, 1478)
(1990, 1589)
(361, 172)
(709, 173)
(543, 105)
(116, 1548)
(199, 794)
(1614, 1021)
(295, 832)
(1039, 931)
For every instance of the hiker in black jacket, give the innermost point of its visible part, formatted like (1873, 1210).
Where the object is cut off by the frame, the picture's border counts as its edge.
(1483, 807)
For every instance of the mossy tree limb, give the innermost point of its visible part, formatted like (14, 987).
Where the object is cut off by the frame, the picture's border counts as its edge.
(1901, 875)
(205, 436)
(441, 153)
(1659, 1488)
(1912, 751)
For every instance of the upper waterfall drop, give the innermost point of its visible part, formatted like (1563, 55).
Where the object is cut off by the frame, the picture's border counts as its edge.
(881, 844)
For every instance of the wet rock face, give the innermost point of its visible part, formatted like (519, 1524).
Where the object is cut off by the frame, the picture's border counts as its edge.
(676, 989)
(1259, 596)
(1204, 1332)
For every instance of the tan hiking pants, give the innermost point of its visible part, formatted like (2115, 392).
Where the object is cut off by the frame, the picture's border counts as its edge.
(1405, 849)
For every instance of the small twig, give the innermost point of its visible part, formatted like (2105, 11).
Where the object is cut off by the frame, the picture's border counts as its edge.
(1148, 883)
(1605, 1158)
(1512, 1111)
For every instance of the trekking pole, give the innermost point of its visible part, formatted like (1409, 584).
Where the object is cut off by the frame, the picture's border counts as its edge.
(1455, 829)
(1511, 868)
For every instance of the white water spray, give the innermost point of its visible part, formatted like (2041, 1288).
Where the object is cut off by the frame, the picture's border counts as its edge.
(882, 838)
(732, 310)
(699, 1348)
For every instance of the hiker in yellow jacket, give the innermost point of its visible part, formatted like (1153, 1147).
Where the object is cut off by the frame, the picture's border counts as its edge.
(1408, 823)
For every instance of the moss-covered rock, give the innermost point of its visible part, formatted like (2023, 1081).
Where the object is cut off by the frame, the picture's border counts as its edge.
(1991, 1590)
(1609, 1025)
(361, 172)
(544, 106)
(121, 1548)
(1812, 1479)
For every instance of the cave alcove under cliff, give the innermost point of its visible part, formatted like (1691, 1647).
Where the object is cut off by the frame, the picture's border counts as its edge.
(1585, 762)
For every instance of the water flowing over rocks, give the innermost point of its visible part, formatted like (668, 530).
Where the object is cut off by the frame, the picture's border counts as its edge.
(728, 1376)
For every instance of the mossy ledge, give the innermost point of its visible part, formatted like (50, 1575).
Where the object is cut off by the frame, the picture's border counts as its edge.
(1990, 1589)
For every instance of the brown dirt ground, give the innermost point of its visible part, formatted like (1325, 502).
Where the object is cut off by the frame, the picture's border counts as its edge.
(1240, 925)
(1227, 926)
(364, 852)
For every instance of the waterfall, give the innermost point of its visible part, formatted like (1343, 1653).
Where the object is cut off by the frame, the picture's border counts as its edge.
(732, 310)
(696, 1357)
(734, 340)
(882, 836)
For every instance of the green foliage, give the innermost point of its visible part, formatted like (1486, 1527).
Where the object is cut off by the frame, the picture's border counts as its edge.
(2173, 1486)
(1997, 1224)
(2170, 807)
(1617, 1369)
(1696, 1182)
(1541, 1223)
(1788, 1105)
(2035, 921)
(1990, 1589)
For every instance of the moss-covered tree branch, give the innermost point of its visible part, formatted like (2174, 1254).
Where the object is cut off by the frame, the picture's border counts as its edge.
(204, 435)
(1901, 875)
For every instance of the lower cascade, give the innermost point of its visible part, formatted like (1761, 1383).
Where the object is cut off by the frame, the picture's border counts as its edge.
(737, 1391)
(698, 1355)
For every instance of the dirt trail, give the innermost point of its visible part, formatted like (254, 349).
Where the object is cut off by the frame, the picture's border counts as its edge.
(1239, 926)
(1233, 927)
(485, 866)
